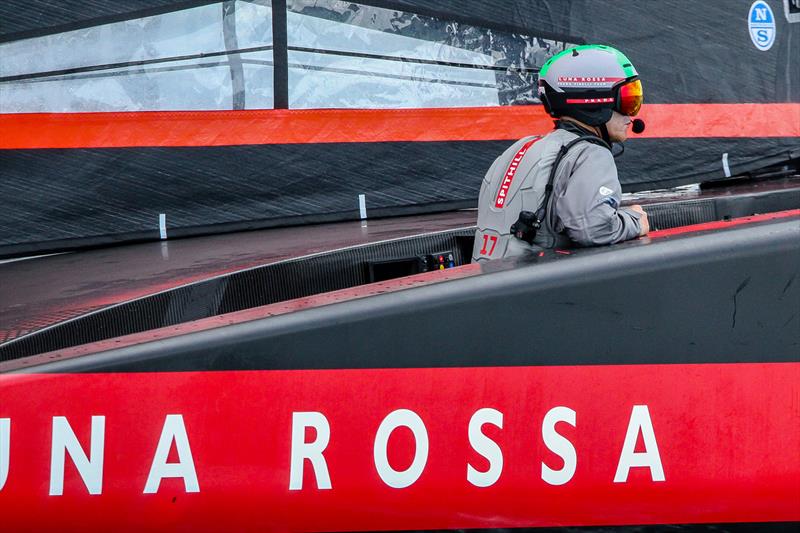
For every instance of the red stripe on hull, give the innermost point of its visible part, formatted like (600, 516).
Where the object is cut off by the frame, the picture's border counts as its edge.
(727, 438)
(723, 224)
(258, 127)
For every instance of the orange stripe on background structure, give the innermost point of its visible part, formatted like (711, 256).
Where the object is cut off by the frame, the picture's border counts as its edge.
(258, 127)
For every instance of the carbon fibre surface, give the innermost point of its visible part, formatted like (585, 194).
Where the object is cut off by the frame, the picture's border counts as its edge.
(269, 270)
(42, 291)
(254, 287)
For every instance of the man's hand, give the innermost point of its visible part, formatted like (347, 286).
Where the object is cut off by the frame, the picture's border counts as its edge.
(643, 222)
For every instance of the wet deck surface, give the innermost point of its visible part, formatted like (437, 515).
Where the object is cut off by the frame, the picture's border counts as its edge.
(111, 329)
(40, 291)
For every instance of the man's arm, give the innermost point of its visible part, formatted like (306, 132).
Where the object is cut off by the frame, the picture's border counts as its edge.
(589, 205)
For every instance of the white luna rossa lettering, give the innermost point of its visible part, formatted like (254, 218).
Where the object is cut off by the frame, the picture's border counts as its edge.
(88, 458)
(89, 465)
(303, 453)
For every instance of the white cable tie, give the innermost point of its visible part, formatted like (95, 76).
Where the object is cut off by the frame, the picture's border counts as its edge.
(362, 206)
(725, 168)
(162, 226)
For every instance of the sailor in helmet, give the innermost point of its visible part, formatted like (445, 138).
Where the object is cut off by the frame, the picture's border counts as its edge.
(562, 189)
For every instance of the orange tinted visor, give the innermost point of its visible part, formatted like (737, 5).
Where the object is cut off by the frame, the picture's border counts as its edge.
(630, 98)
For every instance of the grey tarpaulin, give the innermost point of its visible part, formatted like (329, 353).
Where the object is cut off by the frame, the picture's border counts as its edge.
(158, 55)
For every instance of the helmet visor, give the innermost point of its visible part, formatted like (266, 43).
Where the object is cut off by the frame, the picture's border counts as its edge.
(630, 98)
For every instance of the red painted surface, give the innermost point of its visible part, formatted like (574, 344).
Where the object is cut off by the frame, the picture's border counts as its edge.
(723, 224)
(727, 438)
(226, 128)
(589, 100)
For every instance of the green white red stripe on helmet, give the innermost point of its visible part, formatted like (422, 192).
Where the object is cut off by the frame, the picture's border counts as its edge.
(621, 59)
(584, 82)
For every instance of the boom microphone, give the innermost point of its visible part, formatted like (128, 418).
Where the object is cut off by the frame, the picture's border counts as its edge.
(638, 125)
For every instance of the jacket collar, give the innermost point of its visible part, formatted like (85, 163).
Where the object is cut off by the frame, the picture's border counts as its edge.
(574, 128)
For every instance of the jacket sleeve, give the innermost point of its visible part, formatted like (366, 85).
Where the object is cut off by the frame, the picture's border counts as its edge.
(589, 208)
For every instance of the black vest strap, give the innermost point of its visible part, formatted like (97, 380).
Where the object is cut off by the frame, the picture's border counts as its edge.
(562, 152)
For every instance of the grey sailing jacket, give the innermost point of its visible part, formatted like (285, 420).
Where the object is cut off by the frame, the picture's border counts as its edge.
(584, 207)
